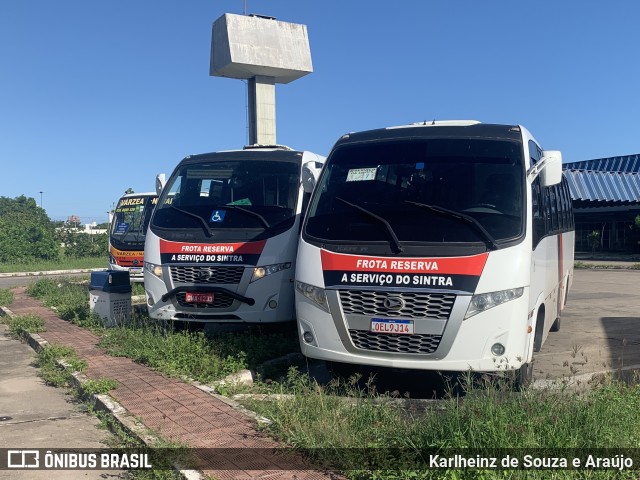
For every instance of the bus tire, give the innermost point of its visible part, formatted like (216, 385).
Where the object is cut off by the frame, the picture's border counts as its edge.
(539, 333)
(556, 325)
(524, 376)
(342, 370)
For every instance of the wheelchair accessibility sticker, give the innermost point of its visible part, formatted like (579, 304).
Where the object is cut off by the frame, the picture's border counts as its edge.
(218, 216)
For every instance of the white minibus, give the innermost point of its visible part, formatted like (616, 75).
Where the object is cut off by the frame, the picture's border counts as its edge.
(221, 245)
(441, 246)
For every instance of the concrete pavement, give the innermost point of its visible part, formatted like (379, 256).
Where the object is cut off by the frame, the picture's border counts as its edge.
(178, 411)
(34, 415)
(600, 329)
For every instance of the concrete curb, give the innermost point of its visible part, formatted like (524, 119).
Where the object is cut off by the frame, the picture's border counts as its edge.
(50, 272)
(130, 424)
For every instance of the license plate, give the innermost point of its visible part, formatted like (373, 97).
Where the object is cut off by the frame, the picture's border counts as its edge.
(135, 271)
(199, 297)
(387, 325)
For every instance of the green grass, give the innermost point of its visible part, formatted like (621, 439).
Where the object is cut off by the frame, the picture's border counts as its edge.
(177, 353)
(21, 326)
(99, 386)
(6, 297)
(51, 372)
(330, 423)
(373, 436)
(48, 265)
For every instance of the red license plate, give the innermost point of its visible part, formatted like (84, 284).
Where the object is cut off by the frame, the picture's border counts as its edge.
(199, 297)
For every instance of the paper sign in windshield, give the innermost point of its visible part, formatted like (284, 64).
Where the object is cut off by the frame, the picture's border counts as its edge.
(361, 174)
(122, 228)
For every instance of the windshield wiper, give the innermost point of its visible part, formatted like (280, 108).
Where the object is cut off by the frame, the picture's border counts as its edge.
(249, 212)
(461, 217)
(205, 227)
(394, 239)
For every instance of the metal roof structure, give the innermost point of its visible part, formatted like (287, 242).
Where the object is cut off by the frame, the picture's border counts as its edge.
(613, 181)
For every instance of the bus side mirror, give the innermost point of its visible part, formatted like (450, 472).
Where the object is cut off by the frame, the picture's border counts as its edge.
(160, 182)
(551, 173)
(310, 174)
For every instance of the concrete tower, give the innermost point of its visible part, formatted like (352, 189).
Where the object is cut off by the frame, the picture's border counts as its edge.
(264, 52)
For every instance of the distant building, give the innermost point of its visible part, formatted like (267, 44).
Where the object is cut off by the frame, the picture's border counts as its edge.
(606, 199)
(73, 220)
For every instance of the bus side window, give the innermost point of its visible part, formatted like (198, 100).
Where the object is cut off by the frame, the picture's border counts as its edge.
(537, 213)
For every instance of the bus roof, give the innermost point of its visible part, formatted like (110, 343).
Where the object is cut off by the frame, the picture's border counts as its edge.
(436, 129)
(140, 194)
(252, 153)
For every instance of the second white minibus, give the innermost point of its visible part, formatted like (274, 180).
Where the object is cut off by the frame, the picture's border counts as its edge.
(221, 245)
(440, 246)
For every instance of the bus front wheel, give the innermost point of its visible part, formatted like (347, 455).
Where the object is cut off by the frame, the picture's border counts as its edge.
(524, 376)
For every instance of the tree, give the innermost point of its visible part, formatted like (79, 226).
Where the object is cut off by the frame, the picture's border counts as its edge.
(80, 244)
(593, 239)
(26, 232)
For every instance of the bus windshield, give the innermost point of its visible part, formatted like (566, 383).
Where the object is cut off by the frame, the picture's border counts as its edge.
(130, 221)
(442, 190)
(222, 195)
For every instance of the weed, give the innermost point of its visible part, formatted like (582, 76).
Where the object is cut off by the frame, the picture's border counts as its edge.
(330, 423)
(137, 289)
(99, 386)
(51, 372)
(173, 352)
(21, 326)
(6, 297)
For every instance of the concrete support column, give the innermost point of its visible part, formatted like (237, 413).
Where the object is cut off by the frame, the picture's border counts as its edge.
(262, 110)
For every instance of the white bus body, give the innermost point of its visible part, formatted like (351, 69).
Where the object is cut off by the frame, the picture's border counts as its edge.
(222, 242)
(127, 233)
(446, 246)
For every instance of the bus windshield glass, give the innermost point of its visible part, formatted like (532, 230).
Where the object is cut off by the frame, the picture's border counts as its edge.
(203, 198)
(130, 221)
(440, 190)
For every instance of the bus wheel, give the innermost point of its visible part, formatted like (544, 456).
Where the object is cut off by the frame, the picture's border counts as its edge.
(343, 370)
(539, 333)
(524, 376)
(556, 325)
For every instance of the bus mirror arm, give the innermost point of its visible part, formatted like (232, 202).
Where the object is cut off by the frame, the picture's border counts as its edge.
(310, 174)
(203, 288)
(161, 181)
(549, 168)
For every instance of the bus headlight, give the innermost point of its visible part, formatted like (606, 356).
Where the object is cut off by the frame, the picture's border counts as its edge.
(485, 301)
(261, 272)
(315, 294)
(153, 268)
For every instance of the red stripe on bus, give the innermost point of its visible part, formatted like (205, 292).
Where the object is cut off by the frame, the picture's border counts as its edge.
(560, 273)
(471, 265)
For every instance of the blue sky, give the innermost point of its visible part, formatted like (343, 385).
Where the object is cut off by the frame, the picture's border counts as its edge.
(99, 96)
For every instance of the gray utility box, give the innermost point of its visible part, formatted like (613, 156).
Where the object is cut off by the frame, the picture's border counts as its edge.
(110, 296)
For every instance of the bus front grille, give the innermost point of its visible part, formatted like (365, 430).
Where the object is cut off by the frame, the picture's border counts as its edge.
(405, 304)
(380, 342)
(206, 274)
(220, 300)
